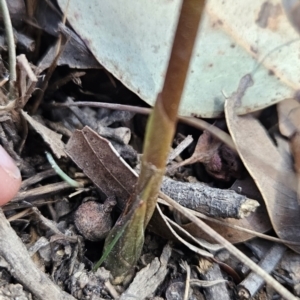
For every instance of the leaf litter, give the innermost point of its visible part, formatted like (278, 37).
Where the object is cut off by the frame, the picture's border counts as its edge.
(273, 177)
(67, 259)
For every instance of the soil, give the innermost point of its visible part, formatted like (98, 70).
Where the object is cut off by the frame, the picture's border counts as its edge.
(61, 228)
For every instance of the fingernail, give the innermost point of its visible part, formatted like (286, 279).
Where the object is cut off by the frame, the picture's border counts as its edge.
(8, 164)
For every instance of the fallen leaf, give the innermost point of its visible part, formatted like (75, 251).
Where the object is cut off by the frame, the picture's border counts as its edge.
(235, 38)
(295, 148)
(288, 117)
(284, 148)
(76, 54)
(267, 167)
(289, 125)
(102, 164)
(52, 138)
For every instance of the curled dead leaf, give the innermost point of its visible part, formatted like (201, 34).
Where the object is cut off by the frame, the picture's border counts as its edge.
(267, 167)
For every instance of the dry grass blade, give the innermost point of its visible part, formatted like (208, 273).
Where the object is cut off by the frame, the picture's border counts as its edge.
(231, 224)
(197, 250)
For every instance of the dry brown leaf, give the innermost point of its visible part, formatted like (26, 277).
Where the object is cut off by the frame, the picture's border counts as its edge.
(102, 164)
(289, 125)
(52, 138)
(267, 167)
(288, 116)
(75, 54)
(295, 148)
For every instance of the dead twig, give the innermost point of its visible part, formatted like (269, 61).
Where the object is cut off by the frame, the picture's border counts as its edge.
(149, 277)
(26, 89)
(210, 201)
(11, 47)
(42, 191)
(37, 178)
(23, 268)
(194, 122)
(233, 250)
(187, 280)
(212, 274)
(60, 47)
(179, 149)
(252, 283)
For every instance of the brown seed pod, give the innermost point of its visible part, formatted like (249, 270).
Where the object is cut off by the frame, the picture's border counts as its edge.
(93, 219)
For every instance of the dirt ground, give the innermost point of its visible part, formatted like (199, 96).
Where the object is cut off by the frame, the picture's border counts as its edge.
(66, 113)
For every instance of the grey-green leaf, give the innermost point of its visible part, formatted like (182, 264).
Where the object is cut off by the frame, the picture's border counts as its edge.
(132, 39)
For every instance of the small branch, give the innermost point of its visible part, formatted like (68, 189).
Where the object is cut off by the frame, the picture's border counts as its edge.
(37, 178)
(11, 46)
(23, 269)
(63, 81)
(60, 47)
(41, 191)
(187, 280)
(44, 86)
(210, 201)
(217, 291)
(252, 283)
(27, 75)
(121, 135)
(52, 226)
(222, 223)
(180, 148)
(233, 250)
